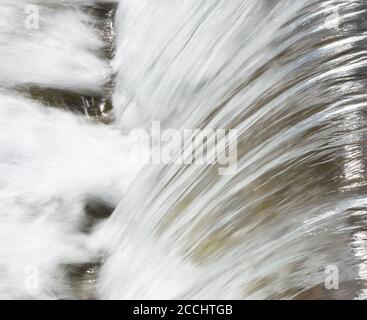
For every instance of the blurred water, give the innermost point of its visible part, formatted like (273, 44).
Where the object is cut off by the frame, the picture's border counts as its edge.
(54, 165)
(290, 76)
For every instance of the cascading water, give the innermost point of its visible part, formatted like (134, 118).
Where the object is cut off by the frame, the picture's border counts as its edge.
(289, 76)
(56, 167)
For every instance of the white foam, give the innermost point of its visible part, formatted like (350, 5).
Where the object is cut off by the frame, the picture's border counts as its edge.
(64, 53)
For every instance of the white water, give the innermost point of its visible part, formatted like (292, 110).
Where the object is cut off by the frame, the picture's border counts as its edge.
(51, 161)
(293, 86)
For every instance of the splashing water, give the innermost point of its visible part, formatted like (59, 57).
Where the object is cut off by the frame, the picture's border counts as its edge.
(53, 165)
(288, 75)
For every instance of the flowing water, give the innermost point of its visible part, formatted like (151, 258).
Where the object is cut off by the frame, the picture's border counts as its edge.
(289, 75)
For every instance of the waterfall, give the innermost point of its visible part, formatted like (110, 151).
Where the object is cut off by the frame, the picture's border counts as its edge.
(59, 161)
(287, 76)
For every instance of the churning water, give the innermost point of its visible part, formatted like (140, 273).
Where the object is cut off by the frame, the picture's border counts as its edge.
(289, 76)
